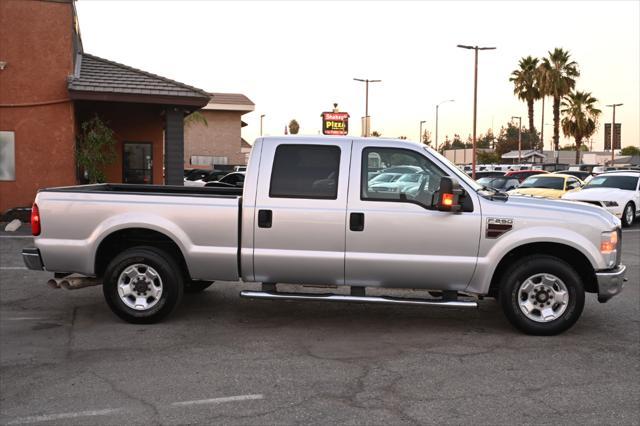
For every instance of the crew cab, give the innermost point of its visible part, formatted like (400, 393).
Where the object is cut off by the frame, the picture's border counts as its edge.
(307, 215)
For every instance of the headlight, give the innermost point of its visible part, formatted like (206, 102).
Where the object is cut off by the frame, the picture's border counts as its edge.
(610, 204)
(609, 247)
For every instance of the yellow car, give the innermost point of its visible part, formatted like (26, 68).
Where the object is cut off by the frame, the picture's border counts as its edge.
(547, 185)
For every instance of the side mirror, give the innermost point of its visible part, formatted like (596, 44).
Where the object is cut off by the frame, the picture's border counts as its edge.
(448, 195)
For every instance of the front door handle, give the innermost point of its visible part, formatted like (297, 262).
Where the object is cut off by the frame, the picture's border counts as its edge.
(356, 222)
(265, 218)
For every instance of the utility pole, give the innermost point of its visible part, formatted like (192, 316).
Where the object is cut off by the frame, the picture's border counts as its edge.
(437, 107)
(542, 128)
(366, 103)
(420, 138)
(613, 132)
(475, 102)
(261, 117)
(519, 138)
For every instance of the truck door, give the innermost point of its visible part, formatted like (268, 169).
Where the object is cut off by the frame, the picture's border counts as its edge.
(394, 238)
(300, 211)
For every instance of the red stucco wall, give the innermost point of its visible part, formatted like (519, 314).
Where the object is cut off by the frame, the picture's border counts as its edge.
(130, 123)
(36, 44)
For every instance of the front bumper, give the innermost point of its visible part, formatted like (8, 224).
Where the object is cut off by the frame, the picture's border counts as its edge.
(32, 259)
(610, 282)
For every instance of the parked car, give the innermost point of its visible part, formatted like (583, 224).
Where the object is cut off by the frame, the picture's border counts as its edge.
(580, 174)
(521, 175)
(195, 174)
(618, 192)
(210, 176)
(240, 168)
(235, 179)
(147, 244)
(488, 174)
(501, 183)
(583, 167)
(385, 177)
(401, 185)
(548, 185)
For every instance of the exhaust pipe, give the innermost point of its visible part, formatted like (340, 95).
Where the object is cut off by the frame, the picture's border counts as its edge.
(54, 282)
(74, 283)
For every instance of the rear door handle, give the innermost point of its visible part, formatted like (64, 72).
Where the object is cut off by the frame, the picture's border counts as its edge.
(356, 222)
(265, 218)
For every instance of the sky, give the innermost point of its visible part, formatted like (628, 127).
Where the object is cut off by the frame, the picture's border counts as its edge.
(295, 59)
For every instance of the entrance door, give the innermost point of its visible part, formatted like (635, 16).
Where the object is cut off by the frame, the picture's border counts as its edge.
(395, 238)
(137, 162)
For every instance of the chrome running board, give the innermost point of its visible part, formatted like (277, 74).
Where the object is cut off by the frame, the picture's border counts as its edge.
(270, 295)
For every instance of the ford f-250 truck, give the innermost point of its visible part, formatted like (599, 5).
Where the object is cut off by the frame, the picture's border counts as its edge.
(309, 214)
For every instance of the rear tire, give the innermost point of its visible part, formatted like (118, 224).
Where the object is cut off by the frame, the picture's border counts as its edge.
(191, 287)
(628, 214)
(142, 285)
(541, 295)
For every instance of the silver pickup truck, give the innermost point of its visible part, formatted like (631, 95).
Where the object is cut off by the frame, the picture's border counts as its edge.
(332, 211)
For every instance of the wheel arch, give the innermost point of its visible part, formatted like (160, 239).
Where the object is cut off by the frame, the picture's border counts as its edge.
(571, 255)
(122, 239)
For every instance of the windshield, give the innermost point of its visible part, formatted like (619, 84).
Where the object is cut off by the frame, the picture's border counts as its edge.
(622, 182)
(543, 182)
(492, 182)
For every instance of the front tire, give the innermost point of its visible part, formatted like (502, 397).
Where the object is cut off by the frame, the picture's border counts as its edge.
(541, 295)
(628, 214)
(142, 285)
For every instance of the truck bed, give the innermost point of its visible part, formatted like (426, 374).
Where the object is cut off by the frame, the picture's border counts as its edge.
(148, 189)
(203, 222)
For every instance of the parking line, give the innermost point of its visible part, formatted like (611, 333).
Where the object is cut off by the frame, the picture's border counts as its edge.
(16, 236)
(218, 400)
(13, 267)
(630, 230)
(50, 417)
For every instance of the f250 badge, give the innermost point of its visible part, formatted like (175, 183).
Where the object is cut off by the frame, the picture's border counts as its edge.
(497, 226)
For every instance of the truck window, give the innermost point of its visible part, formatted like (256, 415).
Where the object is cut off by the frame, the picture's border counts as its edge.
(419, 177)
(305, 171)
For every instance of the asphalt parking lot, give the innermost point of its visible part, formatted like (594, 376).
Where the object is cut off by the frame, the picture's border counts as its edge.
(66, 359)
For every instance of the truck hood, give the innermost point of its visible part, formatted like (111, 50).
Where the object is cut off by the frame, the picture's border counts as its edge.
(562, 210)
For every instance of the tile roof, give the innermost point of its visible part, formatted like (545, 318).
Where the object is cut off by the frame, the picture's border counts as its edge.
(230, 98)
(101, 76)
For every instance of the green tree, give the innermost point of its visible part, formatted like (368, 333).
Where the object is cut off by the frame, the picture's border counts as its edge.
(426, 137)
(195, 117)
(294, 127)
(572, 147)
(487, 157)
(526, 85)
(95, 148)
(486, 141)
(580, 118)
(507, 140)
(557, 78)
(630, 150)
(457, 143)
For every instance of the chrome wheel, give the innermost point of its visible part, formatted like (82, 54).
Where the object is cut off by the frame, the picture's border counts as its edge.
(628, 214)
(543, 297)
(140, 287)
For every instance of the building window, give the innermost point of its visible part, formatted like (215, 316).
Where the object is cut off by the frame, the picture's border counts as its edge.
(305, 171)
(7, 156)
(202, 160)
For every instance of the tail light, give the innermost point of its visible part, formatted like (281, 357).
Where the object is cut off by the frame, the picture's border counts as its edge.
(35, 220)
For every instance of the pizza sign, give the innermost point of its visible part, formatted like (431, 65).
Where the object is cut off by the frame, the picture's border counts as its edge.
(335, 123)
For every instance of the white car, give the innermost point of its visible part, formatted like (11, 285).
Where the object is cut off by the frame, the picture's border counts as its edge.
(618, 192)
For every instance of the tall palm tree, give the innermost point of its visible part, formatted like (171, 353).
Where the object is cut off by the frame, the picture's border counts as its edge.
(526, 87)
(557, 78)
(580, 117)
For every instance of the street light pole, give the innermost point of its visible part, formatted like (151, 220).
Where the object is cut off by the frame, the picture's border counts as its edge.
(261, 117)
(519, 138)
(437, 107)
(366, 102)
(613, 131)
(475, 102)
(420, 138)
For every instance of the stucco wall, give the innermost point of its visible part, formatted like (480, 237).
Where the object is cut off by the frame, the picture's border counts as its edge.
(36, 44)
(130, 123)
(219, 138)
